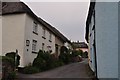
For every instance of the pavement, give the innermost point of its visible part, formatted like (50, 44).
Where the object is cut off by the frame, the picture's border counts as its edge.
(73, 70)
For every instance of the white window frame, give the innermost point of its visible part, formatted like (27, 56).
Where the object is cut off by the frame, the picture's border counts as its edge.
(43, 46)
(50, 36)
(43, 33)
(35, 27)
(34, 45)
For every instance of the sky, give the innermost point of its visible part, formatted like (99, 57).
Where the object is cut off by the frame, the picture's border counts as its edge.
(68, 17)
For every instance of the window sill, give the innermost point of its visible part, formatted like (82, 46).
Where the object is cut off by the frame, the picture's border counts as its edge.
(43, 37)
(35, 33)
(34, 52)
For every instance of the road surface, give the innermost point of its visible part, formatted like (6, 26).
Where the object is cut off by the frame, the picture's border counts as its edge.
(73, 70)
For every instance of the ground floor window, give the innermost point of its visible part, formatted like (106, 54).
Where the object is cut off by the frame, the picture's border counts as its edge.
(43, 46)
(56, 49)
(34, 45)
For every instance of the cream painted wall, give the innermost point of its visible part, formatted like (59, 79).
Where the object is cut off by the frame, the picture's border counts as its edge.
(17, 28)
(29, 35)
(46, 41)
(13, 34)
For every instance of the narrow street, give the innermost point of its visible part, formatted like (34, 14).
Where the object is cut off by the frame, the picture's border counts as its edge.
(74, 70)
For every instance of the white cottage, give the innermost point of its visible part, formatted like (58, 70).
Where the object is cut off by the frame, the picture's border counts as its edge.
(102, 37)
(24, 31)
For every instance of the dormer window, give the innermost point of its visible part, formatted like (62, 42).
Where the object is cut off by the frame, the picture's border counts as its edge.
(35, 28)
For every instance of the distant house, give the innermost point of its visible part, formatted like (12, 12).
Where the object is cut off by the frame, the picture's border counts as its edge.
(102, 37)
(80, 46)
(24, 31)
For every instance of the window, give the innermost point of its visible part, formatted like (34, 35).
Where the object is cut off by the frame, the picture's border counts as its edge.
(43, 33)
(93, 27)
(27, 42)
(34, 46)
(43, 46)
(50, 37)
(56, 49)
(35, 28)
(49, 49)
(90, 34)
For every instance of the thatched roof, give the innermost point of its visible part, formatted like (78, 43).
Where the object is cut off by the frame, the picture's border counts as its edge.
(20, 7)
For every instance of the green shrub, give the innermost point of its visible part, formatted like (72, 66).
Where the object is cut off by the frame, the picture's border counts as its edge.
(59, 63)
(76, 53)
(65, 57)
(45, 61)
(8, 60)
(12, 75)
(40, 63)
(30, 70)
(85, 54)
(44, 55)
(53, 64)
(12, 55)
(7, 68)
(63, 50)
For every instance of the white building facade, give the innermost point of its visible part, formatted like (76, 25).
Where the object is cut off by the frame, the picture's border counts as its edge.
(102, 36)
(24, 31)
(22, 37)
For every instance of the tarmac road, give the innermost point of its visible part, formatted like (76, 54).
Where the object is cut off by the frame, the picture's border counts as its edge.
(73, 70)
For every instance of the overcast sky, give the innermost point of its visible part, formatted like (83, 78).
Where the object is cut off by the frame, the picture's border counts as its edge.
(68, 17)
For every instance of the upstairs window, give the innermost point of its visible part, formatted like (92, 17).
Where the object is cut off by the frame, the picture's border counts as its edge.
(34, 46)
(35, 27)
(50, 37)
(43, 33)
(43, 46)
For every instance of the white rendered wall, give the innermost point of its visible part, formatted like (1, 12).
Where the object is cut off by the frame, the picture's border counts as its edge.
(16, 29)
(107, 39)
(13, 34)
(29, 35)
